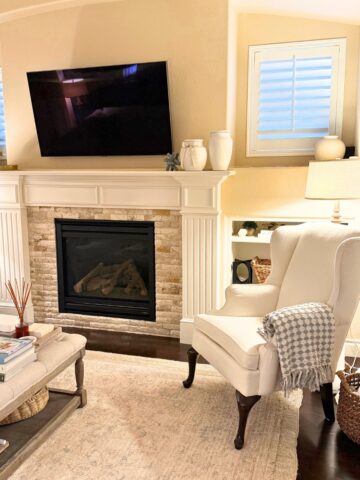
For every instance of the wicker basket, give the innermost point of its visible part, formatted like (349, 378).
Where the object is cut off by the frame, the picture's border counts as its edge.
(261, 268)
(28, 409)
(348, 411)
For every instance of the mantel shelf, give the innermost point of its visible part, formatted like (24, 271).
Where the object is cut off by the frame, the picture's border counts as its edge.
(117, 173)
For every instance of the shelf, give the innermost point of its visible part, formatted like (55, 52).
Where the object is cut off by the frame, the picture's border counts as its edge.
(237, 239)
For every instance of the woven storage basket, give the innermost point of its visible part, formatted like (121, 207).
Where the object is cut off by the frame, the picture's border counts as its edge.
(28, 409)
(261, 268)
(348, 410)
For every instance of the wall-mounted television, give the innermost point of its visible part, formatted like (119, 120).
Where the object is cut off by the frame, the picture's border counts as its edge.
(112, 110)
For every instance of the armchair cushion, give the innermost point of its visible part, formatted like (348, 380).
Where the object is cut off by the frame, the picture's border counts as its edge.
(250, 300)
(237, 336)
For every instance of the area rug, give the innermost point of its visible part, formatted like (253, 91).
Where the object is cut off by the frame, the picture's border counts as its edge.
(140, 423)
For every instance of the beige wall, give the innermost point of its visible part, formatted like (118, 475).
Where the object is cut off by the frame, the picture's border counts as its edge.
(279, 192)
(190, 34)
(276, 192)
(8, 5)
(262, 29)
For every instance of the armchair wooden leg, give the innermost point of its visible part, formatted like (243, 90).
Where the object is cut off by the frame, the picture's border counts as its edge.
(326, 392)
(192, 357)
(245, 404)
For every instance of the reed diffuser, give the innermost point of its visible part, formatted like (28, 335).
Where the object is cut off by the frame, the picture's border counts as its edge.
(20, 295)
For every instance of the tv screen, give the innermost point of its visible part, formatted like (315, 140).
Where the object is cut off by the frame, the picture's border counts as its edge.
(116, 110)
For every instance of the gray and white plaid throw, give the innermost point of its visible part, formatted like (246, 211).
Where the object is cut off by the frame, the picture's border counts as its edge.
(305, 340)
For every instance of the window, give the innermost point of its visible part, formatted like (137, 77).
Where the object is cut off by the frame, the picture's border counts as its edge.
(295, 96)
(2, 120)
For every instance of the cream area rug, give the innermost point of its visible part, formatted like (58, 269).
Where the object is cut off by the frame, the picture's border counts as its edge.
(140, 423)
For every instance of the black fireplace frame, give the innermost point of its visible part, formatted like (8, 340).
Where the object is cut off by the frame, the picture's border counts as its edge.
(105, 307)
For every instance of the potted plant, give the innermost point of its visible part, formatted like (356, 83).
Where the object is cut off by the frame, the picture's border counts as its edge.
(172, 162)
(250, 228)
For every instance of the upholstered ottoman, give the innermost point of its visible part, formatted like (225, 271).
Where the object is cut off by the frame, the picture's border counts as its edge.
(52, 359)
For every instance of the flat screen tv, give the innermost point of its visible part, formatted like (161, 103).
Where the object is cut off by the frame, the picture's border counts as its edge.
(115, 110)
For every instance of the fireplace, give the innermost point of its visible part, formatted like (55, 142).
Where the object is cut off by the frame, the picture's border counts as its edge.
(106, 268)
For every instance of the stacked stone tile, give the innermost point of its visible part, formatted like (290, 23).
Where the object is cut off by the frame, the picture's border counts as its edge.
(167, 258)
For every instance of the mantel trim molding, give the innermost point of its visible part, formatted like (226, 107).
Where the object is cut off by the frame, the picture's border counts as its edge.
(187, 191)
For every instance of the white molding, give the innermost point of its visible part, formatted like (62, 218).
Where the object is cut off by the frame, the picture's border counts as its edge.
(193, 192)
(197, 195)
(55, 5)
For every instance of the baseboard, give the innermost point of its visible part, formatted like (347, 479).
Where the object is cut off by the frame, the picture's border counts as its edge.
(186, 330)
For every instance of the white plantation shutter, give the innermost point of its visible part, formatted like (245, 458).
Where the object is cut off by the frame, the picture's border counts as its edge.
(295, 96)
(2, 119)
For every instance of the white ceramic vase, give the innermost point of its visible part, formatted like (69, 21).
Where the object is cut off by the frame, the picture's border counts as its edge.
(193, 155)
(329, 148)
(220, 149)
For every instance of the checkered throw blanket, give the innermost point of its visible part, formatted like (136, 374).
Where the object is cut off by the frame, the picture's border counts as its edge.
(305, 340)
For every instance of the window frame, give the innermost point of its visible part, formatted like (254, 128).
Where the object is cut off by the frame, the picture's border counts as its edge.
(3, 146)
(252, 149)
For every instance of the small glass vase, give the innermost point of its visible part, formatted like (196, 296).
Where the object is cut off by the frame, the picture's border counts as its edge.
(21, 330)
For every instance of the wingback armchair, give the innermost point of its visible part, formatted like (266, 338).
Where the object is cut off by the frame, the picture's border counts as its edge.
(311, 262)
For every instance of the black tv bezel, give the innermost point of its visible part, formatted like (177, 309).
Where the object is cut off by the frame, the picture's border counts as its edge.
(105, 154)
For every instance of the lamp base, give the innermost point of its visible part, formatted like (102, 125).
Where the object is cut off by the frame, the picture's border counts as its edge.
(336, 215)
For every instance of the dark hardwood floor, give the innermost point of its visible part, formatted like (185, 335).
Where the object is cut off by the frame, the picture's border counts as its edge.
(324, 452)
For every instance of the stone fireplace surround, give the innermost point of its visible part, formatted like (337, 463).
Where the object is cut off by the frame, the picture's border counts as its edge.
(186, 209)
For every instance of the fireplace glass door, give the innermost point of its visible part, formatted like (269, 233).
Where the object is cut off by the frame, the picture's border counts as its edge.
(106, 268)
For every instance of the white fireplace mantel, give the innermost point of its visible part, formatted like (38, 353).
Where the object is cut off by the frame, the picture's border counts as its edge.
(113, 188)
(197, 195)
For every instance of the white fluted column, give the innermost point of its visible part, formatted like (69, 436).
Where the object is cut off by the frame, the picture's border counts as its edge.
(201, 245)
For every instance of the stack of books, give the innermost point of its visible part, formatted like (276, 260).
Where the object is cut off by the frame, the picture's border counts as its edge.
(7, 325)
(15, 354)
(44, 333)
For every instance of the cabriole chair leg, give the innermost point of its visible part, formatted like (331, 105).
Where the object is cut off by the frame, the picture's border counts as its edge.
(245, 404)
(327, 399)
(192, 357)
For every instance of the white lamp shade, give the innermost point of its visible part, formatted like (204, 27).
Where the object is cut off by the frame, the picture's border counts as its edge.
(333, 180)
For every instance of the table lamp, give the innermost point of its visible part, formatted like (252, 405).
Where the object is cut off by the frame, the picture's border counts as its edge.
(334, 180)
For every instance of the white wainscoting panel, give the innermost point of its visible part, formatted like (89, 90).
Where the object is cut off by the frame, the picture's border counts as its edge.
(50, 195)
(8, 194)
(199, 197)
(140, 196)
(11, 254)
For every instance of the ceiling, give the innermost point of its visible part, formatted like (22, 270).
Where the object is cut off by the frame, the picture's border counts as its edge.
(344, 11)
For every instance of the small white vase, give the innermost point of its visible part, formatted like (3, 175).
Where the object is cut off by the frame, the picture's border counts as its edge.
(329, 148)
(220, 149)
(193, 155)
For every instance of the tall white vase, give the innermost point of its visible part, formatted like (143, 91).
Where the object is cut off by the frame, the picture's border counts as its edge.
(329, 148)
(220, 149)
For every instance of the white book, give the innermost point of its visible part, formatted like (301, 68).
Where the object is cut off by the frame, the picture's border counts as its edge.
(39, 330)
(4, 377)
(20, 360)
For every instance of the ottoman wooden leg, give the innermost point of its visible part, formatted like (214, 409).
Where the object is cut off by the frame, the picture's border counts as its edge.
(79, 375)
